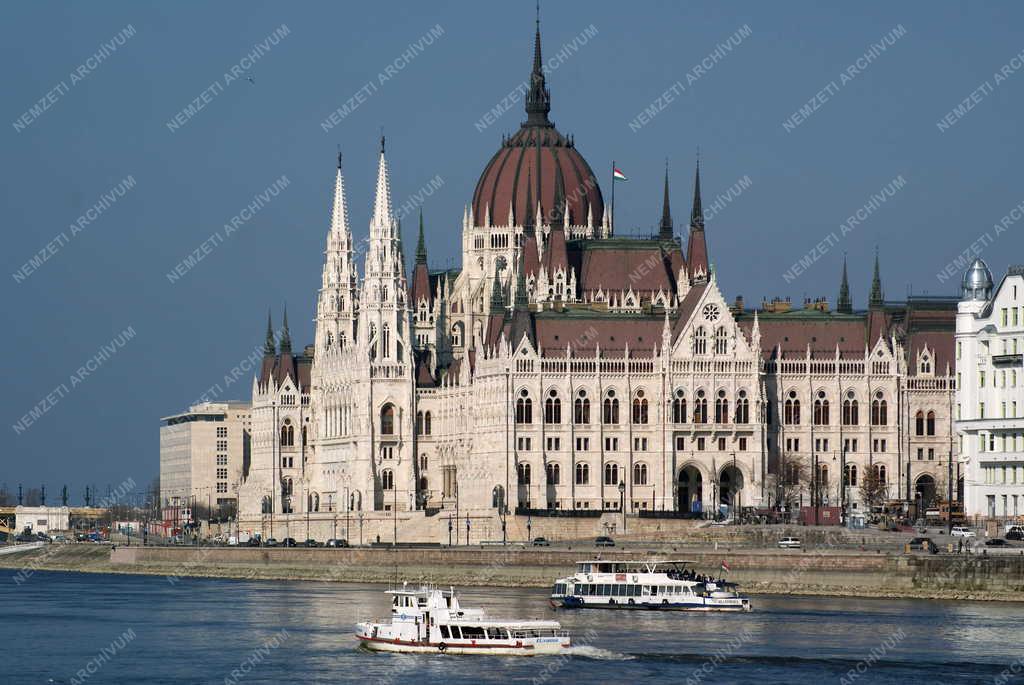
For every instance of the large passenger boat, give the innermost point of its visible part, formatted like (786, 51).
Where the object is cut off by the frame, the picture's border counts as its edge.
(429, 620)
(663, 585)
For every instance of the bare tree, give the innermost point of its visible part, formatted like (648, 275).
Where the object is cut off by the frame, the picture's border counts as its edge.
(873, 490)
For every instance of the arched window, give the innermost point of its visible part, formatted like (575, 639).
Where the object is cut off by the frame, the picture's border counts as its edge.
(265, 505)
(639, 407)
(850, 411)
(385, 341)
(700, 408)
(419, 423)
(742, 408)
(387, 419)
(721, 408)
(919, 423)
(423, 484)
(287, 434)
(611, 474)
(639, 474)
(821, 409)
(791, 409)
(581, 409)
(610, 412)
(304, 436)
(387, 479)
(524, 408)
(554, 474)
(426, 423)
(700, 341)
(552, 408)
(721, 341)
(880, 473)
(679, 407)
(930, 422)
(288, 487)
(851, 475)
(524, 473)
(457, 335)
(582, 474)
(423, 462)
(498, 497)
(879, 410)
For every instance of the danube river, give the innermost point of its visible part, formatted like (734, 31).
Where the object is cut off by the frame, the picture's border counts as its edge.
(84, 628)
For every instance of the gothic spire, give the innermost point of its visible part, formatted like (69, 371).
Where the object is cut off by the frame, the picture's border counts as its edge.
(286, 338)
(339, 217)
(665, 232)
(521, 301)
(844, 305)
(497, 296)
(269, 348)
(382, 210)
(876, 298)
(538, 99)
(421, 244)
(697, 213)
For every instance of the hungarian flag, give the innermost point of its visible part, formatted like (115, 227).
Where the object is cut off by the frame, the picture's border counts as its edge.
(618, 175)
(725, 566)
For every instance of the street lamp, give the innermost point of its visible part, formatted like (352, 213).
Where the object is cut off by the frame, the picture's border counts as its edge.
(622, 503)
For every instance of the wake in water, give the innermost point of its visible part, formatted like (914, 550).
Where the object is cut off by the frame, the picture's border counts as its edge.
(591, 652)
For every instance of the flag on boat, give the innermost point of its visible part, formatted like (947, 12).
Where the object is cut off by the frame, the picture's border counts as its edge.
(620, 577)
(618, 175)
(725, 566)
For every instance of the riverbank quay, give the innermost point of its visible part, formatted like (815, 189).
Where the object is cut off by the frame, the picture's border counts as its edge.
(845, 573)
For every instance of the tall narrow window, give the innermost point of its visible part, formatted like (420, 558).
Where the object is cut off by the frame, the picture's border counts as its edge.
(610, 410)
(700, 341)
(930, 423)
(791, 409)
(821, 409)
(721, 340)
(721, 408)
(552, 408)
(700, 408)
(581, 409)
(879, 410)
(387, 419)
(524, 408)
(742, 408)
(679, 407)
(387, 479)
(850, 417)
(639, 407)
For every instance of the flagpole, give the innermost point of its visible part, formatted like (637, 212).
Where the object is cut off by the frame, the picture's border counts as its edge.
(611, 228)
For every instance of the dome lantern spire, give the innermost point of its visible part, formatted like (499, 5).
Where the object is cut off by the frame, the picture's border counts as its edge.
(538, 100)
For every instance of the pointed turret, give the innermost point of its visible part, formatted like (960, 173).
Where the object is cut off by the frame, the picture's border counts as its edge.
(697, 249)
(876, 299)
(382, 211)
(336, 305)
(522, 320)
(665, 229)
(420, 274)
(538, 99)
(286, 338)
(844, 305)
(497, 295)
(421, 244)
(269, 349)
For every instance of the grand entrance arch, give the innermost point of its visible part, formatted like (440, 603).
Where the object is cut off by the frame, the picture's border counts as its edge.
(689, 490)
(924, 487)
(730, 487)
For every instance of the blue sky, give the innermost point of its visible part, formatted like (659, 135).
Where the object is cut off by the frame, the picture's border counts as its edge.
(110, 122)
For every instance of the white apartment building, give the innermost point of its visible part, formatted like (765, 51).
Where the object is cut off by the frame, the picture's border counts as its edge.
(204, 454)
(990, 379)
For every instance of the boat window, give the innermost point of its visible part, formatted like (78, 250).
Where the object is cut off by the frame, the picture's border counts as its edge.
(472, 633)
(578, 589)
(444, 633)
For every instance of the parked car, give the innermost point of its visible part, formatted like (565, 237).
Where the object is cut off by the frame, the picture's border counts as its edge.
(271, 542)
(962, 532)
(1015, 534)
(541, 542)
(310, 543)
(25, 537)
(289, 542)
(996, 542)
(43, 537)
(335, 542)
(253, 542)
(604, 541)
(924, 545)
(789, 543)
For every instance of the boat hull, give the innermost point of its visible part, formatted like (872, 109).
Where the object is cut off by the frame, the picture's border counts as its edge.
(530, 648)
(703, 604)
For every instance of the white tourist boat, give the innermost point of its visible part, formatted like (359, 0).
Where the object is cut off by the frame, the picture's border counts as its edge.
(429, 620)
(670, 585)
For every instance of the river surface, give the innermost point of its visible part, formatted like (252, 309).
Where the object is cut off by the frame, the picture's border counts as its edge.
(86, 628)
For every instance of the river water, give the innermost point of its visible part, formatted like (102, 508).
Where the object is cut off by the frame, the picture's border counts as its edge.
(85, 628)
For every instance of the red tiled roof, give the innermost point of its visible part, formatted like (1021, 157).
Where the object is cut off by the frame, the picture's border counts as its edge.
(645, 270)
(585, 334)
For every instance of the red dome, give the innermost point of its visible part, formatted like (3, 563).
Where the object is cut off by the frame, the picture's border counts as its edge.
(537, 162)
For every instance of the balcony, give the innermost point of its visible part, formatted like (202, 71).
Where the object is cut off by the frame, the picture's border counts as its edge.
(1007, 359)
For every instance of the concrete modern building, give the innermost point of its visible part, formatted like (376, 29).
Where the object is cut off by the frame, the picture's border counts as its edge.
(204, 454)
(989, 400)
(567, 369)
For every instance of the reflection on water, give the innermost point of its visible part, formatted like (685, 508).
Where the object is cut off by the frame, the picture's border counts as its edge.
(203, 631)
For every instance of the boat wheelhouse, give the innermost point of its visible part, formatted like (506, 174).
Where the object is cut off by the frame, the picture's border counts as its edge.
(430, 620)
(649, 584)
